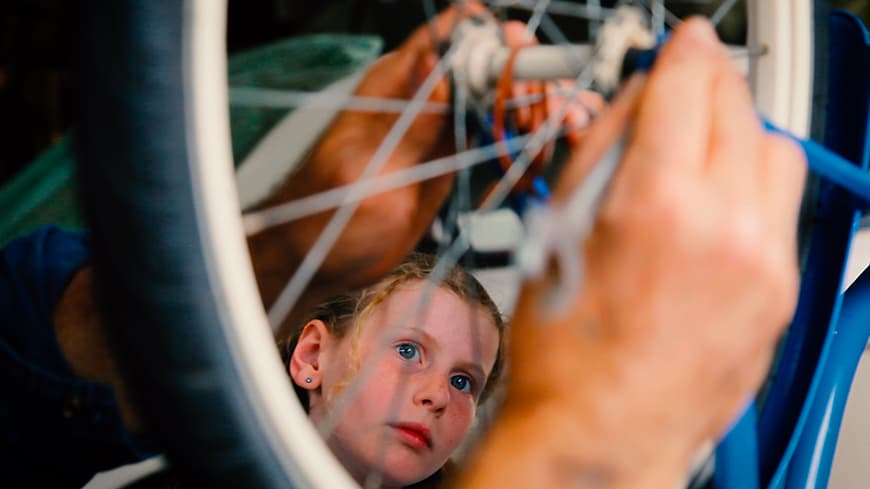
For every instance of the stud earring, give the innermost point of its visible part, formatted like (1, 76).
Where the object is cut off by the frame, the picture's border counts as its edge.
(308, 380)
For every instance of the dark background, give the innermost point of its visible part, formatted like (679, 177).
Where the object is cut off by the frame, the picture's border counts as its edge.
(38, 70)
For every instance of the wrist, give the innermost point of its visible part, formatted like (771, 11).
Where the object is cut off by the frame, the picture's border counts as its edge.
(550, 444)
(579, 393)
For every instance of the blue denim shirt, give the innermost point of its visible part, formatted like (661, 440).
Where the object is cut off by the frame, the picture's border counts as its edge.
(57, 430)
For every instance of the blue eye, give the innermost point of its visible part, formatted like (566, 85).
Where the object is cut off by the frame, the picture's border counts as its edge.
(408, 351)
(461, 382)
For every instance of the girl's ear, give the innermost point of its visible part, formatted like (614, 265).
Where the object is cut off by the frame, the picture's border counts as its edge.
(306, 360)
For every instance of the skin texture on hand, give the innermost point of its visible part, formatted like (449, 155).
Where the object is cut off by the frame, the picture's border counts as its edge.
(382, 231)
(691, 270)
(385, 227)
(691, 276)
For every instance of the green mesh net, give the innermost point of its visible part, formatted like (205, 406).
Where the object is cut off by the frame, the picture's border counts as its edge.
(44, 192)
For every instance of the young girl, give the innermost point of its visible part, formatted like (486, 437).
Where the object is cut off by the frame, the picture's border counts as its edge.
(402, 367)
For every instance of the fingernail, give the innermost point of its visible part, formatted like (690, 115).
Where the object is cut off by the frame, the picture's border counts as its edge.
(703, 30)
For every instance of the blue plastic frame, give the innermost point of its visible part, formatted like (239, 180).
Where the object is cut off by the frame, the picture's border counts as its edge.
(791, 442)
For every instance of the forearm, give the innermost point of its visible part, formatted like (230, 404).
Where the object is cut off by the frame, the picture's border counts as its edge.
(86, 342)
(382, 230)
(583, 408)
(82, 337)
(554, 445)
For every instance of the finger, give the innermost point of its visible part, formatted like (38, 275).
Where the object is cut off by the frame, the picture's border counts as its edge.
(399, 74)
(593, 101)
(735, 136)
(515, 37)
(436, 30)
(601, 135)
(428, 135)
(581, 111)
(566, 91)
(674, 118)
(523, 111)
(515, 34)
(783, 175)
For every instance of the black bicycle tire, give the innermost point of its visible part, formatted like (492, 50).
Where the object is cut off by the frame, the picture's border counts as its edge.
(149, 268)
(153, 284)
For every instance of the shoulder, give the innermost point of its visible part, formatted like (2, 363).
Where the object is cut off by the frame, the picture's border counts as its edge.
(44, 261)
(35, 269)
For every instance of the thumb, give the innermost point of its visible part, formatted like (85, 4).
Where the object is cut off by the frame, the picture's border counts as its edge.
(604, 131)
(401, 73)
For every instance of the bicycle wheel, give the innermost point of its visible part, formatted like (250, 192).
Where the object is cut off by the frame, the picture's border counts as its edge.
(171, 258)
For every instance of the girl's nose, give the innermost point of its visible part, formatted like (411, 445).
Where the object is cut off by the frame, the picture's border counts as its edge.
(432, 392)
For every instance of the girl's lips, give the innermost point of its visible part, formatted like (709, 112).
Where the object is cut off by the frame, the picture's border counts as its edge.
(414, 434)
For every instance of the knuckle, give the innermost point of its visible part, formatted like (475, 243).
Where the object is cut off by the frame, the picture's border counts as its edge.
(783, 279)
(786, 164)
(766, 266)
(591, 101)
(666, 205)
(692, 39)
(739, 241)
(731, 76)
(784, 149)
(658, 204)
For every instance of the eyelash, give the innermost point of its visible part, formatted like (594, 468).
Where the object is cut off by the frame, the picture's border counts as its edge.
(469, 383)
(416, 348)
(416, 352)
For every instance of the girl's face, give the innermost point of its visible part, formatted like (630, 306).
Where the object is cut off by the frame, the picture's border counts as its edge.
(421, 374)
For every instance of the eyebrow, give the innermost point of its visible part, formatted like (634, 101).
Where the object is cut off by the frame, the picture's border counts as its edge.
(474, 369)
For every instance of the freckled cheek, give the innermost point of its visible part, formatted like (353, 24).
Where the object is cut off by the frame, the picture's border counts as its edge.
(380, 389)
(460, 422)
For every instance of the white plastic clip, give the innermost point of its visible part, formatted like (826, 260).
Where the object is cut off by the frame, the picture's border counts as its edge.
(628, 28)
(559, 232)
(477, 40)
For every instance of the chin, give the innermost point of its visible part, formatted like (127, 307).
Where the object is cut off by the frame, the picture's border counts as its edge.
(404, 471)
(403, 479)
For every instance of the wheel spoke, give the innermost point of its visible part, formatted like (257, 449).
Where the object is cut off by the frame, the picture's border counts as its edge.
(537, 141)
(741, 52)
(450, 254)
(282, 99)
(462, 201)
(658, 16)
(313, 259)
(374, 478)
(549, 27)
(722, 11)
(594, 7)
(552, 31)
(448, 259)
(444, 263)
(538, 12)
(670, 20)
(547, 131)
(258, 221)
(558, 7)
(742, 55)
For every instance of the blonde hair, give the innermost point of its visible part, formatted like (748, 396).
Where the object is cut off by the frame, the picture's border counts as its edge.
(347, 311)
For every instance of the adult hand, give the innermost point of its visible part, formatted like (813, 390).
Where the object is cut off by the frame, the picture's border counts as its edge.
(385, 227)
(691, 276)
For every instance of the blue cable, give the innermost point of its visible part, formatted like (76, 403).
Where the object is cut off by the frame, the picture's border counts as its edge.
(820, 160)
(831, 166)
